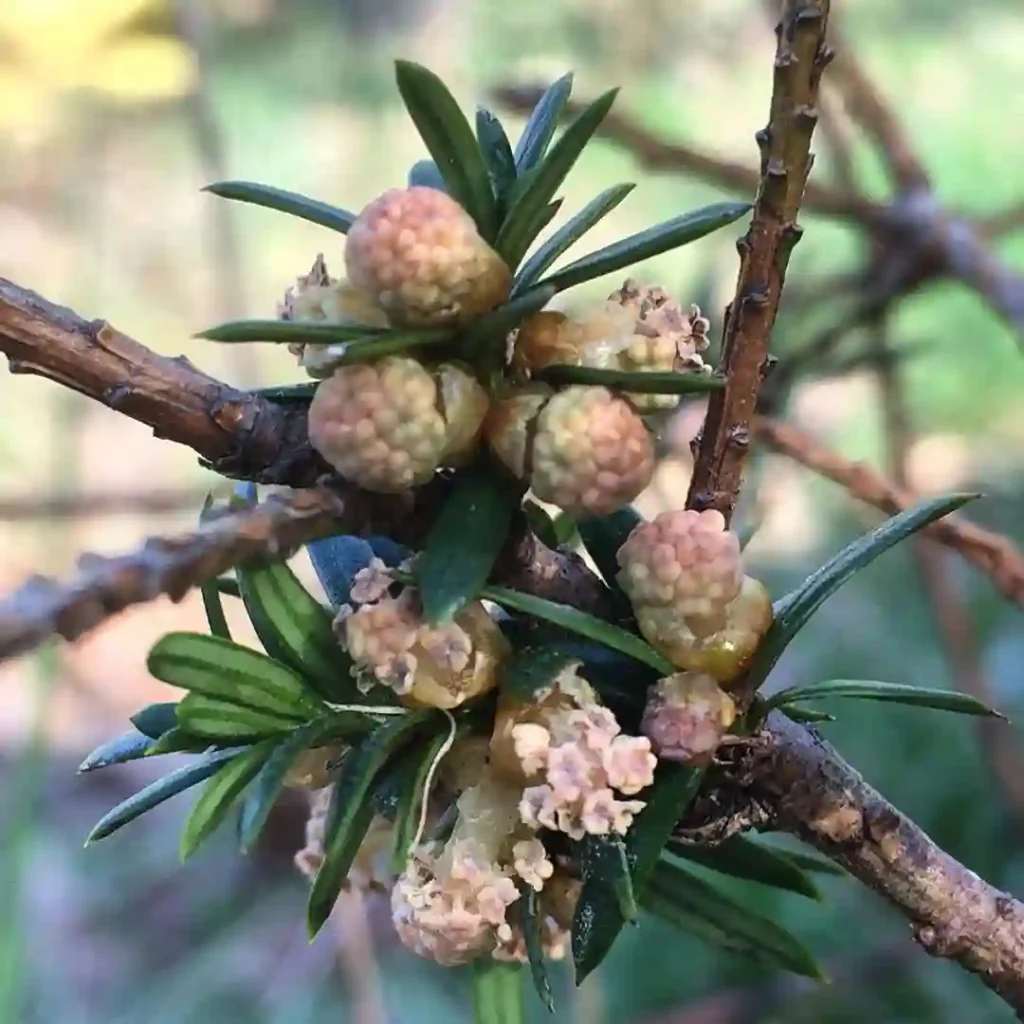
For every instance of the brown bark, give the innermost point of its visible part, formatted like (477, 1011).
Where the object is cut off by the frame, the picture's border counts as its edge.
(785, 143)
(237, 432)
(42, 607)
(809, 790)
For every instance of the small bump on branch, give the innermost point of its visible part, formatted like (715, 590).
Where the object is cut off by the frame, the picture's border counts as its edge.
(807, 789)
(170, 566)
(801, 57)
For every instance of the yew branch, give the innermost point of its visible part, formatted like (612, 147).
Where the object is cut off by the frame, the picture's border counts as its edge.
(239, 433)
(42, 607)
(786, 160)
(809, 790)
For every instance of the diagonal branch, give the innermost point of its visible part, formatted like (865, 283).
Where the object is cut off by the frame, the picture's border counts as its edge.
(1005, 222)
(809, 790)
(238, 432)
(657, 154)
(991, 553)
(173, 566)
(865, 105)
(786, 160)
(997, 743)
(158, 501)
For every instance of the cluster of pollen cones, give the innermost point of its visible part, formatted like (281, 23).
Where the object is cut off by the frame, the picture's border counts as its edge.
(558, 763)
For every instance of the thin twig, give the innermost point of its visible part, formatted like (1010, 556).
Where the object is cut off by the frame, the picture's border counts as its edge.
(836, 134)
(42, 607)
(991, 553)
(1004, 222)
(35, 507)
(809, 790)
(786, 160)
(997, 743)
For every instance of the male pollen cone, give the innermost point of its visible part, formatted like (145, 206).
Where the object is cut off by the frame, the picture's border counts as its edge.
(684, 561)
(419, 255)
(687, 715)
(387, 426)
(683, 574)
(592, 453)
(583, 448)
(378, 424)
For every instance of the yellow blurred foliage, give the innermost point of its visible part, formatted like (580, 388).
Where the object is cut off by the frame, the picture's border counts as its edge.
(52, 47)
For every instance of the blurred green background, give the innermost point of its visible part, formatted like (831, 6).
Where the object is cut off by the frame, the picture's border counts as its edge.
(113, 113)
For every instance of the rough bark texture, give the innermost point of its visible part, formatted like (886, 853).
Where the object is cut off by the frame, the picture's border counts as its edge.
(42, 607)
(239, 433)
(811, 791)
(786, 160)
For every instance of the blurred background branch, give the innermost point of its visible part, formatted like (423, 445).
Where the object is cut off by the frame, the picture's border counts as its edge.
(32, 507)
(992, 553)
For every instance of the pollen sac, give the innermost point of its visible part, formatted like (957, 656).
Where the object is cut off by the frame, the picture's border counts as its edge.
(687, 715)
(371, 867)
(592, 454)
(418, 254)
(583, 759)
(659, 316)
(319, 298)
(567, 691)
(573, 759)
(451, 902)
(554, 934)
(387, 426)
(557, 905)
(583, 449)
(440, 666)
(451, 916)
